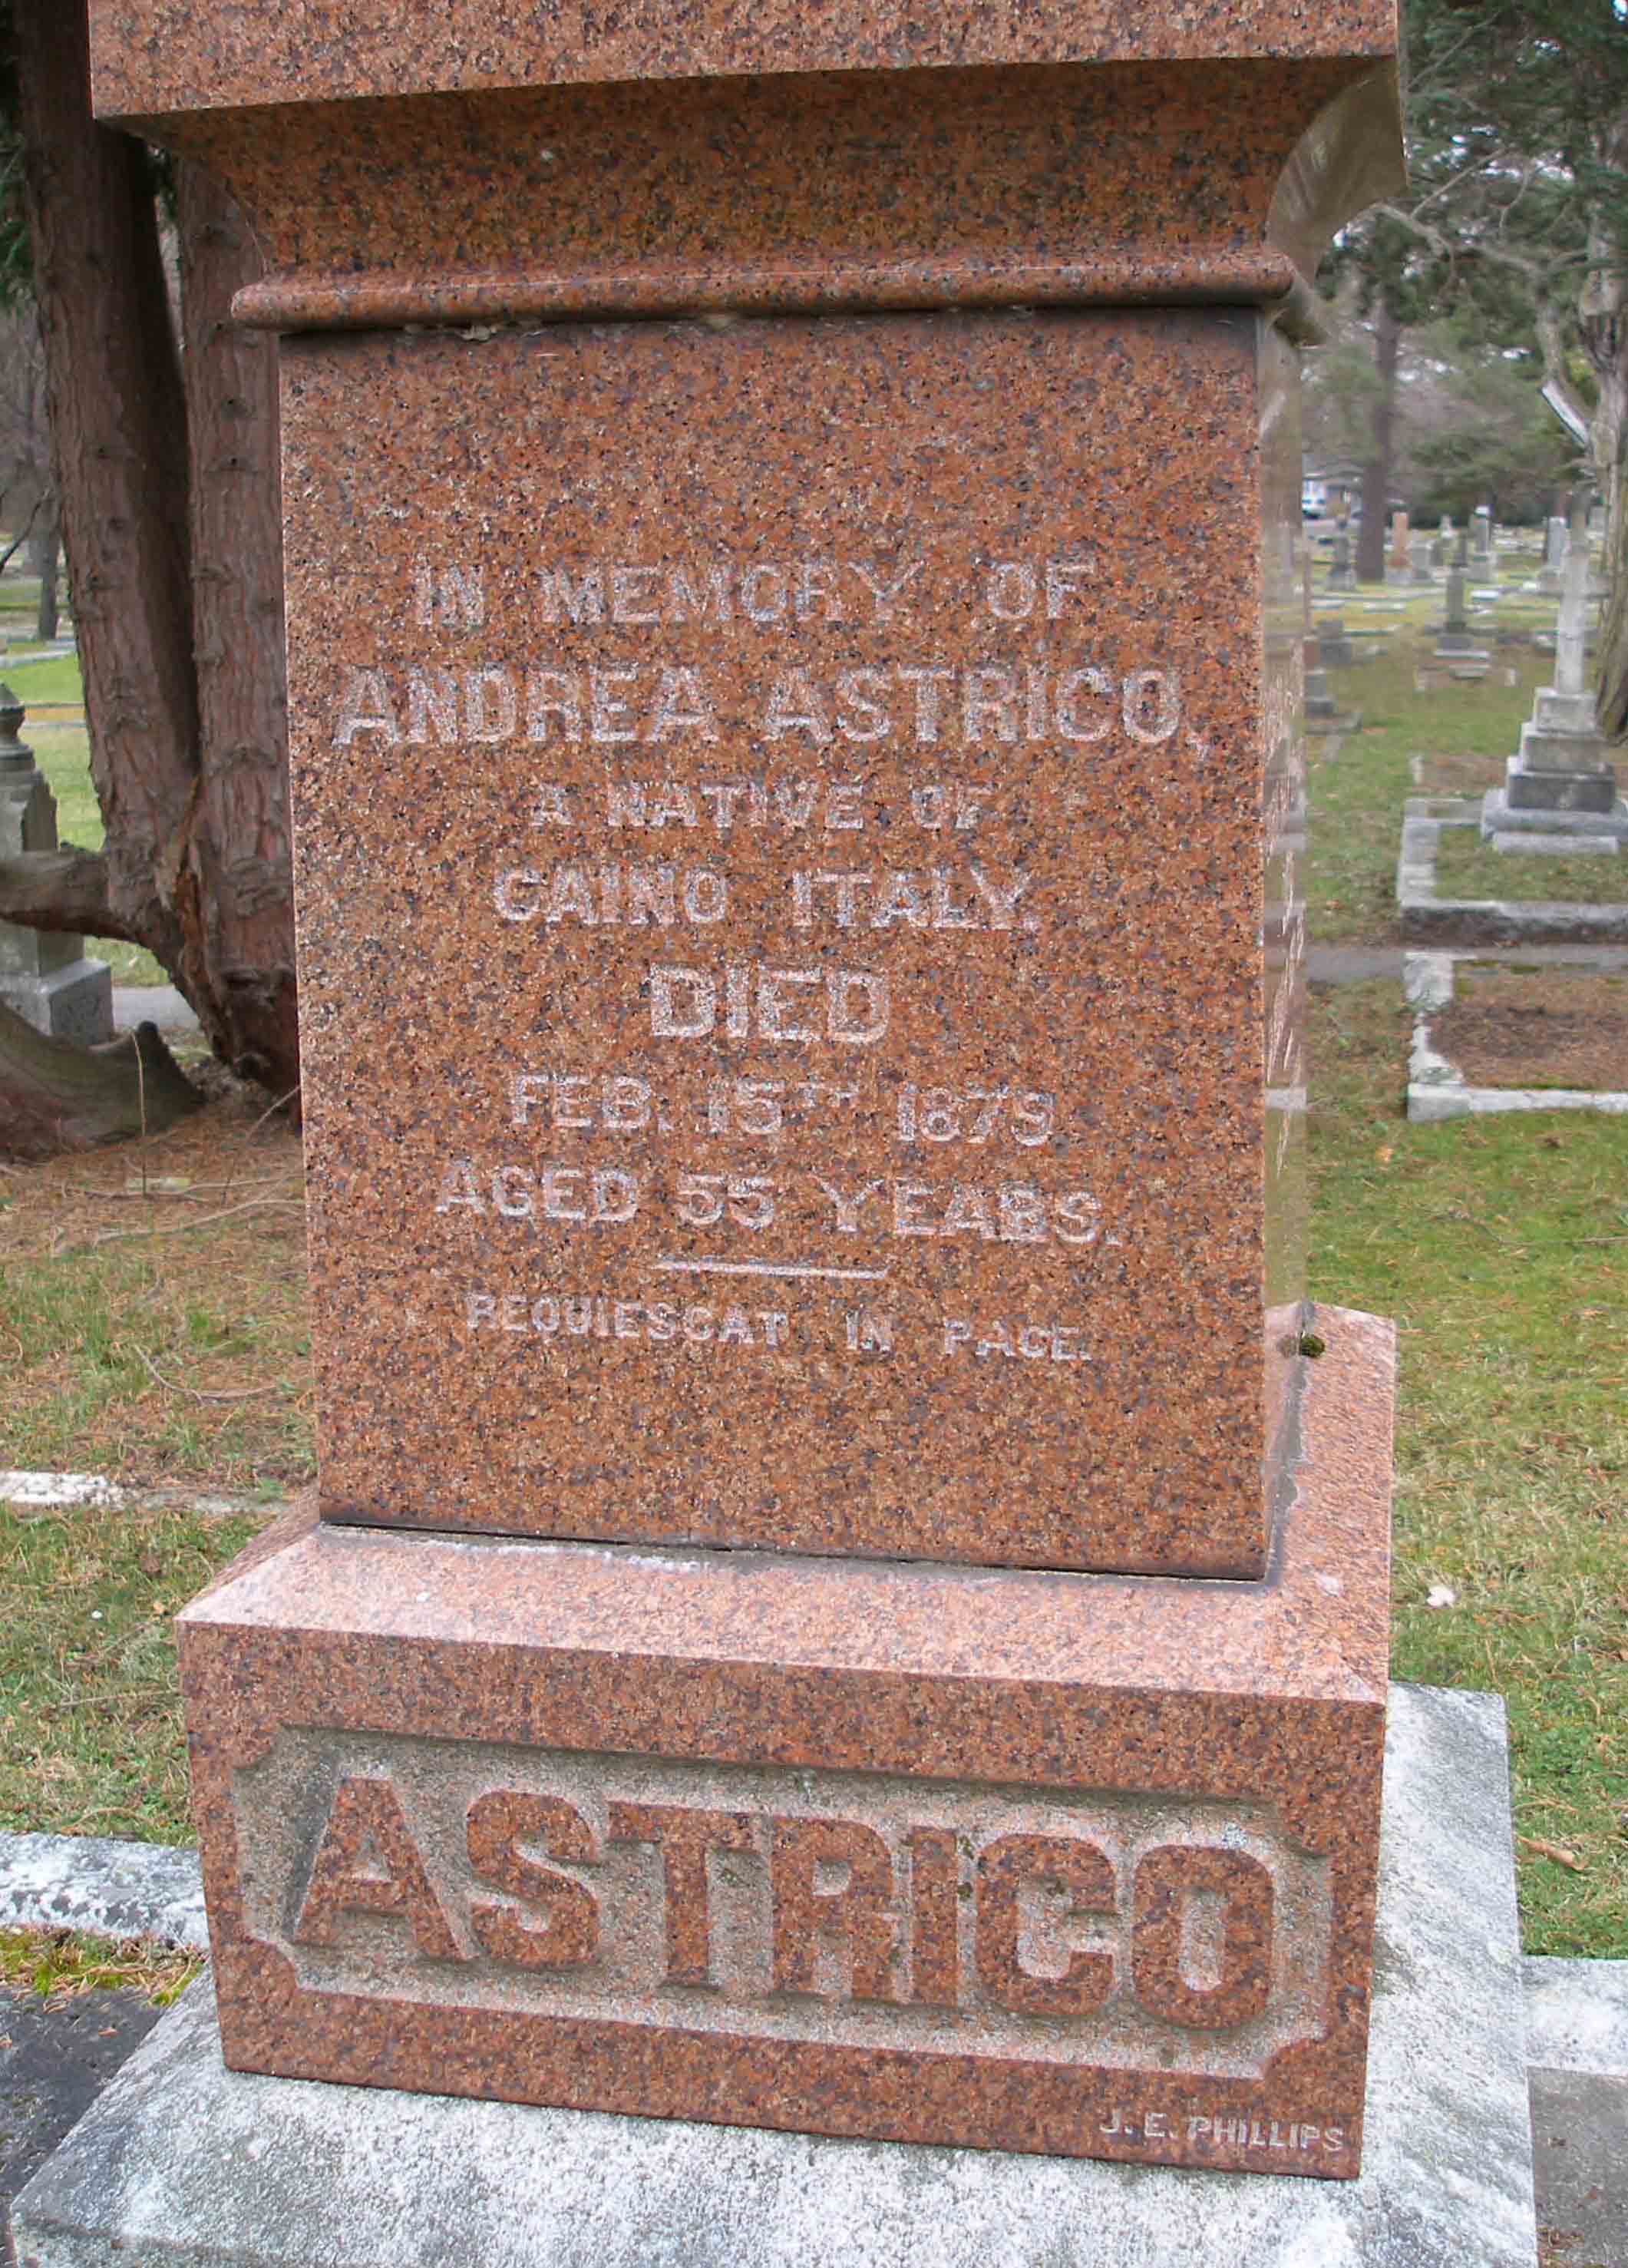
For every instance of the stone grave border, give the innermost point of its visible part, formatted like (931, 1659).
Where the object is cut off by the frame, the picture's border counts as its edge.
(1437, 1089)
(1427, 919)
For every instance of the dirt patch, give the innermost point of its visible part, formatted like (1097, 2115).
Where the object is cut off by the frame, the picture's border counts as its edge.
(1467, 773)
(1555, 1028)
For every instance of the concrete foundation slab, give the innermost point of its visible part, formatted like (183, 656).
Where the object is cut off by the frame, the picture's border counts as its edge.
(1534, 842)
(1580, 2148)
(183, 2163)
(1577, 2038)
(1577, 2017)
(1499, 814)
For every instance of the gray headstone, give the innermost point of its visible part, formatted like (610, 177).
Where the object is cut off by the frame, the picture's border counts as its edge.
(44, 975)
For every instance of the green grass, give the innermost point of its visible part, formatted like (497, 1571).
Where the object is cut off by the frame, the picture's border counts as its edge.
(91, 1739)
(1357, 785)
(1466, 867)
(58, 1965)
(92, 1336)
(1501, 1247)
(43, 684)
(153, 1329)
(153, 1307)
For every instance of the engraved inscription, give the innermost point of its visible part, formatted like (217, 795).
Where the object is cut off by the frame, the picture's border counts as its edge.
(1129, 1932)
(857, 860)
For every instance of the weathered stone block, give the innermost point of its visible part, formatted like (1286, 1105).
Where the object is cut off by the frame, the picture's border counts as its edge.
(837, 957)
(1565, 713)
(72, 1001)
(1528, 787)
(1543, 751)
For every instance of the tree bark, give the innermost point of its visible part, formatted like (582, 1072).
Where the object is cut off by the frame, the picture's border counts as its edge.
(58, 1097)
(1602, 323)
(47, 560)
(171, 514)
(1376, 470)
(64, 889)
(234, 892)
(118, 424)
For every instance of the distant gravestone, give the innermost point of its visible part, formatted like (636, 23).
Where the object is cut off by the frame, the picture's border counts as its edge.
(843, 1596)
(1562, 779)
(1456, 642)
(44, 976)
(1323, 711)
(1398, 565)
(1342, 572)
(1550, 576)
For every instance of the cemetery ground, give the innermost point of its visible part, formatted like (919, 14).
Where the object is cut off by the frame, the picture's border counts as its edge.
(153, 1331)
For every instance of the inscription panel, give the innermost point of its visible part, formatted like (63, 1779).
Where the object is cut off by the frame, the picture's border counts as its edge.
(851, 1909)
(780, 815)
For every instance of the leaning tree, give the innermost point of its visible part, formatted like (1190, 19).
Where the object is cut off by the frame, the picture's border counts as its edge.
(165, 435)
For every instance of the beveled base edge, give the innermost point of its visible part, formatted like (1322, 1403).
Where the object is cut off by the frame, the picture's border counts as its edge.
(1135, 1725)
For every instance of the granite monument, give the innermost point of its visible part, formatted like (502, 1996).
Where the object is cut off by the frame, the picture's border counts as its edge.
(850, 1589)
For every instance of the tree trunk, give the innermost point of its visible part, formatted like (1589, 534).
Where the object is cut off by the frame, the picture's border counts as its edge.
(118, 425)
(171, 514)
(1611, 675)
(64, 889)
(1605, 337)
(1376, 470)
(234, 889)
(1602, 323)
(58, 1097)
(48, 559)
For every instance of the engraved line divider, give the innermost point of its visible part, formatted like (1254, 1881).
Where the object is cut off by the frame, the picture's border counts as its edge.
(672, 1266)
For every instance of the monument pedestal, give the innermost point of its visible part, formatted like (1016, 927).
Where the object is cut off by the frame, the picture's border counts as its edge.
(1572, 828)
(1561, 783)
(185, 2164)
(1027, 1860)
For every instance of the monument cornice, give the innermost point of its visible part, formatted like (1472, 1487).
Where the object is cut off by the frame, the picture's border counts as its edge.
(155, 58)
(1176, 179)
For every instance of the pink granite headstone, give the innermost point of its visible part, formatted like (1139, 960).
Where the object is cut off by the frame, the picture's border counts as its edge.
(792, 528)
